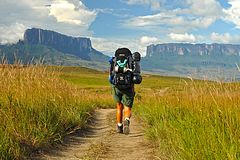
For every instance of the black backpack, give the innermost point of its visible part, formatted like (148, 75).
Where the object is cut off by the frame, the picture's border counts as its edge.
(122, 68)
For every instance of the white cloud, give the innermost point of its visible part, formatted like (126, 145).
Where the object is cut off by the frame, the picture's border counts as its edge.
(146, 40)
(69, 17)
(169, 20)
(220, 38)
(182, 37)
(154, 4)
(12, 33)
(106, 46)
(225, 38)
(195, 15)
(233, 13)
(109, 46)
(209, 8)
(155, 20)
(72, 13)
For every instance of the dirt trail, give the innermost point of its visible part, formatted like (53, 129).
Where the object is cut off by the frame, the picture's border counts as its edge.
(100, 141)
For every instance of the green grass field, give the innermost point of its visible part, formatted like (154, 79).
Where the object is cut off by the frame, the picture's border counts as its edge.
(186, 119)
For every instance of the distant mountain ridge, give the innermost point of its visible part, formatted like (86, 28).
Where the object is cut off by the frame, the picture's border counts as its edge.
(52, 48)
(174, 59)
(193, 49)
(200, 60)
(77, 46)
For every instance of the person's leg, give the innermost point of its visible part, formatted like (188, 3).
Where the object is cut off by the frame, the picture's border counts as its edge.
(128, 98)
(119, 117)
(127, 116)
(127, 112)
(118, 98)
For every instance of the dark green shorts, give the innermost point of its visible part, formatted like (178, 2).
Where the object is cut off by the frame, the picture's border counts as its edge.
(124, 96)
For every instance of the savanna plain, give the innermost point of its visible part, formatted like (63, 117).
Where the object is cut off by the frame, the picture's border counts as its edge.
(184, 118)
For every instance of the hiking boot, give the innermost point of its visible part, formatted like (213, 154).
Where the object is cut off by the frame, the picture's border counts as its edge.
(119, 129)
(126, 129)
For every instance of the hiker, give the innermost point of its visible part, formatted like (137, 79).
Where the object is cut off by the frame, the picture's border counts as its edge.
(124, 73)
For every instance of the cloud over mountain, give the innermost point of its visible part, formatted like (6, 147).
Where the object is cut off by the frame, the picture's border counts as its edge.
(225, 38)
(72, 12)
(182, 37)
(71, 17)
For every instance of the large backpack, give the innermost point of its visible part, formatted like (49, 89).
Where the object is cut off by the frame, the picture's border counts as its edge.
(122, 68)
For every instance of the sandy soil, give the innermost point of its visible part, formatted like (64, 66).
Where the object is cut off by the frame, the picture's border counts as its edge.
(100, 141)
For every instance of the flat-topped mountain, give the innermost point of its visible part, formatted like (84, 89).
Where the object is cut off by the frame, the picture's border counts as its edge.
(53, 48)
(78, 46)
(198, 60)
(193, 49)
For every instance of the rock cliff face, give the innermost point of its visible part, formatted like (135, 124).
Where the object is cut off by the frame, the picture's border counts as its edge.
(78, 46)
(194, 60)
(193, 49)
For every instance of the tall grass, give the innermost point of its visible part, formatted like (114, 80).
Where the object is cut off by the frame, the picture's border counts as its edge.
(194, 120)
(37, 108)
(187, 119)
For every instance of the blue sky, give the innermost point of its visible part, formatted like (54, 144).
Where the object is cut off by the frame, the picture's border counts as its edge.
(125, 23)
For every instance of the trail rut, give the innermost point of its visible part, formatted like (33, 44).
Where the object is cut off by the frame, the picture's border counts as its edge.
(100, 141)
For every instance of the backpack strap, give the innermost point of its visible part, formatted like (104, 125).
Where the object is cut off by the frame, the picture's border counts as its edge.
(123, 64)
